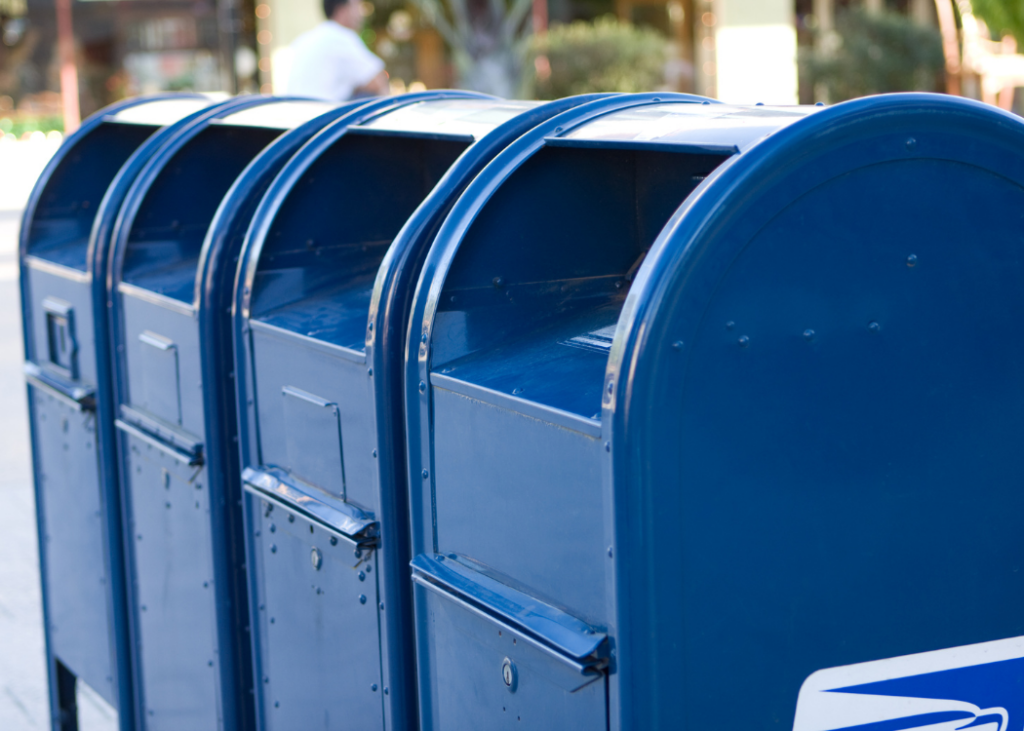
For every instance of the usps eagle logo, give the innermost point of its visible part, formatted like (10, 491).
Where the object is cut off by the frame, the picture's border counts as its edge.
(977, 687)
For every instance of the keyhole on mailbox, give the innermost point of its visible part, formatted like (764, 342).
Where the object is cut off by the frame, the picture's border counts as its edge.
(508, 674)
(316, 558)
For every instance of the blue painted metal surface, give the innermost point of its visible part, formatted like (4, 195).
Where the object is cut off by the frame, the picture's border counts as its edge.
(171, 276)
(749, 425)
(507, 342)
(323, 289)
(847, 452)
(64, 243)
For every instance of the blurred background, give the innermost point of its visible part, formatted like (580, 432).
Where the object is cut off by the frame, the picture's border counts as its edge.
(61, 60)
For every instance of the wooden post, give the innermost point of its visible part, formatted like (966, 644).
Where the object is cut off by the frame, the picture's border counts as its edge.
(540, 16)
(68, 70)
(825, 14)
(875, 7)
(755, 51)
(950, 45)
(923, 11)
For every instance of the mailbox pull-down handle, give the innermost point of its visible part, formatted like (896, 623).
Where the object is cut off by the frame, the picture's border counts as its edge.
(82, 398)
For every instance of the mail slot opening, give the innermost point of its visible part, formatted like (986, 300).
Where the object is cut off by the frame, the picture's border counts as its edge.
(59, 336)
(168, 231)
(321, 256)
(64, 215)
(540, 278)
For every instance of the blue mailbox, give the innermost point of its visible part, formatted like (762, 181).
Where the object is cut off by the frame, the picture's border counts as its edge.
(323, 289)
(65, 236)
(171, 276)
(714, 409)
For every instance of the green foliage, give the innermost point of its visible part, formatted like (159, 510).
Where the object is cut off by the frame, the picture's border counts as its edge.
(603, 55)
(1002, 17)
(27, 123)
(875, 54)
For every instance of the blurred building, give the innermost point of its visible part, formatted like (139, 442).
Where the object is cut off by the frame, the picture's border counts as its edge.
(896, 46)
(735, 50)
(121, 48)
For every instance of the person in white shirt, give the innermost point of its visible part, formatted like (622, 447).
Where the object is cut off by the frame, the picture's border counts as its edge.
(332, 62)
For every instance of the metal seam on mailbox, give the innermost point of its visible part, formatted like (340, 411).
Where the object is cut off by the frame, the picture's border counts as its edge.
(155, 298)
(523, 407)
(49, 267)
(341, 351)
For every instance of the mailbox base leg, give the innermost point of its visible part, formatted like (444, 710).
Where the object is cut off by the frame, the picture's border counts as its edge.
(67, 705)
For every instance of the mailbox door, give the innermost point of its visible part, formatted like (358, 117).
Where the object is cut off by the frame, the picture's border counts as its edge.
(174, 587)
(71, 505)
(318, 625)
(482, 673)
(313, 406)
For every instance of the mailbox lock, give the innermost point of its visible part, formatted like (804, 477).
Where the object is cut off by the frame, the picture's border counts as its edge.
(316, 558)
(509, 676)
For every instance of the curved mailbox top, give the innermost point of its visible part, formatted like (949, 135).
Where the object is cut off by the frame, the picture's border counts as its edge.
(283, 113)
(713, 127)
(67, 225)
(168, 211)
(66, 198)
(457, 117)
(159, 110)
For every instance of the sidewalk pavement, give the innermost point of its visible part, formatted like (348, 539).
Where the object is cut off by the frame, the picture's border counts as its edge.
(23, 686)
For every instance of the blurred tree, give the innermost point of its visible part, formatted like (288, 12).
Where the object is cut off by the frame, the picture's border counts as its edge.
(875, 53)
(603, 55)
(488, 39)
(1002, 17)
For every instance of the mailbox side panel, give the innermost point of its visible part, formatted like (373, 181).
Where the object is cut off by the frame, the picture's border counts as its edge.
(832, 474)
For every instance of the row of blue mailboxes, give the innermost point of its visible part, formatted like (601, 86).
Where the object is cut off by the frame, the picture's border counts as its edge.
(450, 412)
